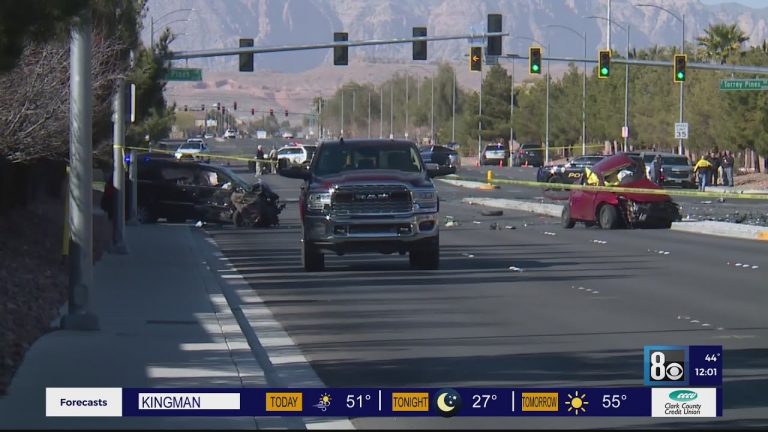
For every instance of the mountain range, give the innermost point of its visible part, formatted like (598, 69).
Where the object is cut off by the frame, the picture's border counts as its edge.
(220, 23)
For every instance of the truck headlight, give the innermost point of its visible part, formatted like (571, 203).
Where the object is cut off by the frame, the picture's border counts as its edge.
(318, 201)
(426, 200)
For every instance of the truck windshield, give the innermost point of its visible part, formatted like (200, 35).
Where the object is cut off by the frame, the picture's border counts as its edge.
(333, 158)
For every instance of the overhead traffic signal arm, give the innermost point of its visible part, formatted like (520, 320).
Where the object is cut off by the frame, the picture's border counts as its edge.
(681, 61)
(534, 60)
(604, 64)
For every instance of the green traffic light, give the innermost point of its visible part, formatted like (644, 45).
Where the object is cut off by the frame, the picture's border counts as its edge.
(535, 68)
(680, 76)
(604, 71)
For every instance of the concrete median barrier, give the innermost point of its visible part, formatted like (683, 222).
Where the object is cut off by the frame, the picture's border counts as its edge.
(722, 229)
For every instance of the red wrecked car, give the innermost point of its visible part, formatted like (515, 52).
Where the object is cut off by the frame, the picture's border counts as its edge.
(619, 209)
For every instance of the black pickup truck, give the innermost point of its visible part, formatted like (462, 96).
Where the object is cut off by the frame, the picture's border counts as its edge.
(368, 196)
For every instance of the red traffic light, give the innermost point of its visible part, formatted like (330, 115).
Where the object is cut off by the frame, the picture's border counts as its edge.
(202, 107)
(253, 111)
(235, 105)
(286, 113)
(185, 107)
(271, 112)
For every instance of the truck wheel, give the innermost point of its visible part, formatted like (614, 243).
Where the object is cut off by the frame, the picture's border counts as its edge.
(425, 254)
(311, 258)
(566, 220)
(608, 217)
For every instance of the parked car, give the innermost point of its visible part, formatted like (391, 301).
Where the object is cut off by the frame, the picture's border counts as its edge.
(495, 154)
(368, 196)
(569, 172)
(296, 154)
(675, 169)
(528, 154)
(230, 134)
(177, 191)
(193, 149)
(619, 209)
(447, 159)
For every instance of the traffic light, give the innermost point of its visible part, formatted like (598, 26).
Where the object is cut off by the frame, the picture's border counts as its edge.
(604, 64)
(253, 111)
(476, 59)
(681, 61)
(246, 60)
(534, 61)
(286, 113)
(185, 107)
(340, 53)
(494, 42)
(419, 48)
(202, 107)
(271, 112)
(218, 106)
(235, 105)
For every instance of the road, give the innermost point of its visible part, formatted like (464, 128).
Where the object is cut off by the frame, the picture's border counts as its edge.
(579, 313)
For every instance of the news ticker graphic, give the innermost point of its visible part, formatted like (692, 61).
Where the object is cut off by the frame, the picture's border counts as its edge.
(673, 365)
(360, 402)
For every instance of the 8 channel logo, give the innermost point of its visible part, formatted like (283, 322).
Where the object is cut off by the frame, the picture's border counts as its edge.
(665, 365)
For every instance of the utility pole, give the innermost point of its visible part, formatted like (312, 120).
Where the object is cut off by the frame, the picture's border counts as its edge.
(118, 172)
(407, 79)
(512, 109)
(626, 95)
(432, 137)
(341, 129)
(79, 316)
(681, 148)
(480, 120)
(381, 111)
(453, 109)
(392, 109)
(369, 113)
(546, 139)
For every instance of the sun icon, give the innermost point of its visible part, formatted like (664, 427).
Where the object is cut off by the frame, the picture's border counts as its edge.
(325, 399)
(577, 402)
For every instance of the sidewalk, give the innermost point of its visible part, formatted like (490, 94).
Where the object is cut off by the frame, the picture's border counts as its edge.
(164, 323)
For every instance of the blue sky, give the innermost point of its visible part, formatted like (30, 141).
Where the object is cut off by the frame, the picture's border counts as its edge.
(752, 3)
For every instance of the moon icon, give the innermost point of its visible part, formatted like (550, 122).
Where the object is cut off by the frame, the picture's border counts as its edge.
(448, 402)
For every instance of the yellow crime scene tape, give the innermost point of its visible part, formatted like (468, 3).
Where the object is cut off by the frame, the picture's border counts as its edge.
(567, 186)
(212, 156)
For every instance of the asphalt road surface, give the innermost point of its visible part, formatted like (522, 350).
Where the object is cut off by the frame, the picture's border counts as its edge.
(578, 315)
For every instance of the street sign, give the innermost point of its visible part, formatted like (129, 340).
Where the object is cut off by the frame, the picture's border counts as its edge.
(681, 130)
(184, 74)
(743, 84)
(624, 132)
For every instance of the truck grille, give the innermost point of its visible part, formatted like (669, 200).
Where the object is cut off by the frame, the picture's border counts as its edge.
(679, 174)
(371, 200)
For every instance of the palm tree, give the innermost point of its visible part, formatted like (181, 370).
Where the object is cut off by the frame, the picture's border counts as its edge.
(722, 40)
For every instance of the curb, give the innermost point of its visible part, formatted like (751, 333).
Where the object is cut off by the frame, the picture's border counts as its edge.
(267, 340)
(470, 184)
(720, 229)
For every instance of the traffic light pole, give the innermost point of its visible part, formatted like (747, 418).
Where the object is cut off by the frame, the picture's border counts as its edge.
(681, 149)
(480, 120)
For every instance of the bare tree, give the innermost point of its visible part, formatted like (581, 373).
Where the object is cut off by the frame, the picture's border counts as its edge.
(34, 121)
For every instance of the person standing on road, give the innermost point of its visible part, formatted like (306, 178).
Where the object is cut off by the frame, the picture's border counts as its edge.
(727, 165)
(715, 161)
(656, 170)
(259, 159)
(702, 170)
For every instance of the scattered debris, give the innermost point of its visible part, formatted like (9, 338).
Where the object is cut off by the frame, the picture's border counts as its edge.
(468, 255)
(451, 223)
(516, 269)
(599, 241)
(549, 233)
(199, 224)
(476, 222)
(495, 226)
(706, 202)
(510, 227)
